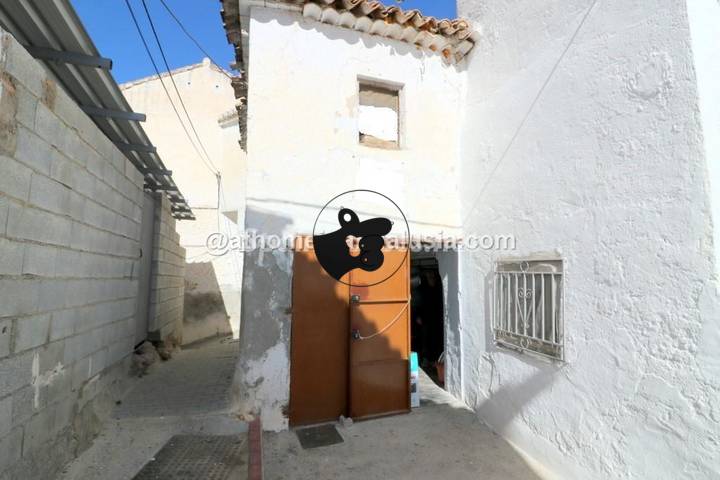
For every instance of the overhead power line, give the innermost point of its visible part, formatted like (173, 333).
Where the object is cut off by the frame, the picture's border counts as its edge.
(189, 35)
(167, 93)
(534, 102)
(172, 80)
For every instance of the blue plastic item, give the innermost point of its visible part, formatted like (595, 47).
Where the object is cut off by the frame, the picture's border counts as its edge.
(414, 367)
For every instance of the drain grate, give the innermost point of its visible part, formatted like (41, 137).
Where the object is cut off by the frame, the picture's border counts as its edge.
(191, 457)
(320, 436)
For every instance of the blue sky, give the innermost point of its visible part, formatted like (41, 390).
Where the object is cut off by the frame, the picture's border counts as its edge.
(113, 32)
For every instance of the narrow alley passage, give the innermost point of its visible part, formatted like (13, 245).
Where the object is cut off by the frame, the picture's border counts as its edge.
(175, 424)
(359, 239)
(180, 409)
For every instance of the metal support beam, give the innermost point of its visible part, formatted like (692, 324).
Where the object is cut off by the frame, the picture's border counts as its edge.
(135, 163)
(156, 171)
(104, 112)
(165, 188)
(134, 147)
(74, 58)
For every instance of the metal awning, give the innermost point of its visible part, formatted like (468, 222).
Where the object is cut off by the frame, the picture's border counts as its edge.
(52, 32)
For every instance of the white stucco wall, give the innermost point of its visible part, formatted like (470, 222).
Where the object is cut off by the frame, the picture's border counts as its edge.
(303, 144)
(610, 171)
(704, 18)
(213, 283)
(303, 149)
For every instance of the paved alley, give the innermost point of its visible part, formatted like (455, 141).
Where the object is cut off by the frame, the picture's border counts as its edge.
(182, 405)
(440, 439)
(196, 381)
(432, 442)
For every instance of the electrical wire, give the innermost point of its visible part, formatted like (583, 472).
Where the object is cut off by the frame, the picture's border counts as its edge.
(219, 180)
(520, 126)
(172, 80)
(189, 35)
(167, 93)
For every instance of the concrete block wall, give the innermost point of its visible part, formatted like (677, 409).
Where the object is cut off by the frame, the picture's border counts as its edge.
(70, 212)
(168, 277)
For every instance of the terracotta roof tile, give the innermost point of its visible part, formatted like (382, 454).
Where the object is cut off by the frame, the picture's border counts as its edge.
(453, 38)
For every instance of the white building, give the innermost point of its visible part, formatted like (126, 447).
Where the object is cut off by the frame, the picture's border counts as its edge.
(585, 129)
(590, 132)
(213, 283)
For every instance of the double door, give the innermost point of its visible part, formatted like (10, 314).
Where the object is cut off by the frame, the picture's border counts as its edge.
(350, 345)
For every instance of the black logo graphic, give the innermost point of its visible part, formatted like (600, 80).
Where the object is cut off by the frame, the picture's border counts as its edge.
(335, 253)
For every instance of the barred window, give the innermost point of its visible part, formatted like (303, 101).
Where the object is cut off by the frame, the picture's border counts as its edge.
(528, 306)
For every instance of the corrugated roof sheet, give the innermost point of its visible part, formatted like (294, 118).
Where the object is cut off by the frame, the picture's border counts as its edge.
(54, 25)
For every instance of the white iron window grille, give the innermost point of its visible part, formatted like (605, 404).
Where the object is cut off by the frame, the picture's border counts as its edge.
(528, 306)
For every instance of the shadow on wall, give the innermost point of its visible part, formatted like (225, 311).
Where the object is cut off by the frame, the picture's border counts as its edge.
(268, 222)
(501, 405)
(498, 405)
(205, 313)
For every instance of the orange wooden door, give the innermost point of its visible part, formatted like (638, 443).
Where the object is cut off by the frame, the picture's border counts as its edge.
(319, 343)
(380, 315)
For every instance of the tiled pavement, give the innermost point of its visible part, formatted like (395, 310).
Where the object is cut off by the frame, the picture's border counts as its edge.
(196, 381)
(188, 395)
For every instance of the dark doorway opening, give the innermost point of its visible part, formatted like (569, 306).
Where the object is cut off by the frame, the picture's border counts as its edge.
(427, 316)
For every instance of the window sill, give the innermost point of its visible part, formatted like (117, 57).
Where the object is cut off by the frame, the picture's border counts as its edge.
(373, 142)
(519, 351)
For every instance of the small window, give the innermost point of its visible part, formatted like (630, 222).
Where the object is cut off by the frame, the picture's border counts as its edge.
(528, 306)
(379, 116)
